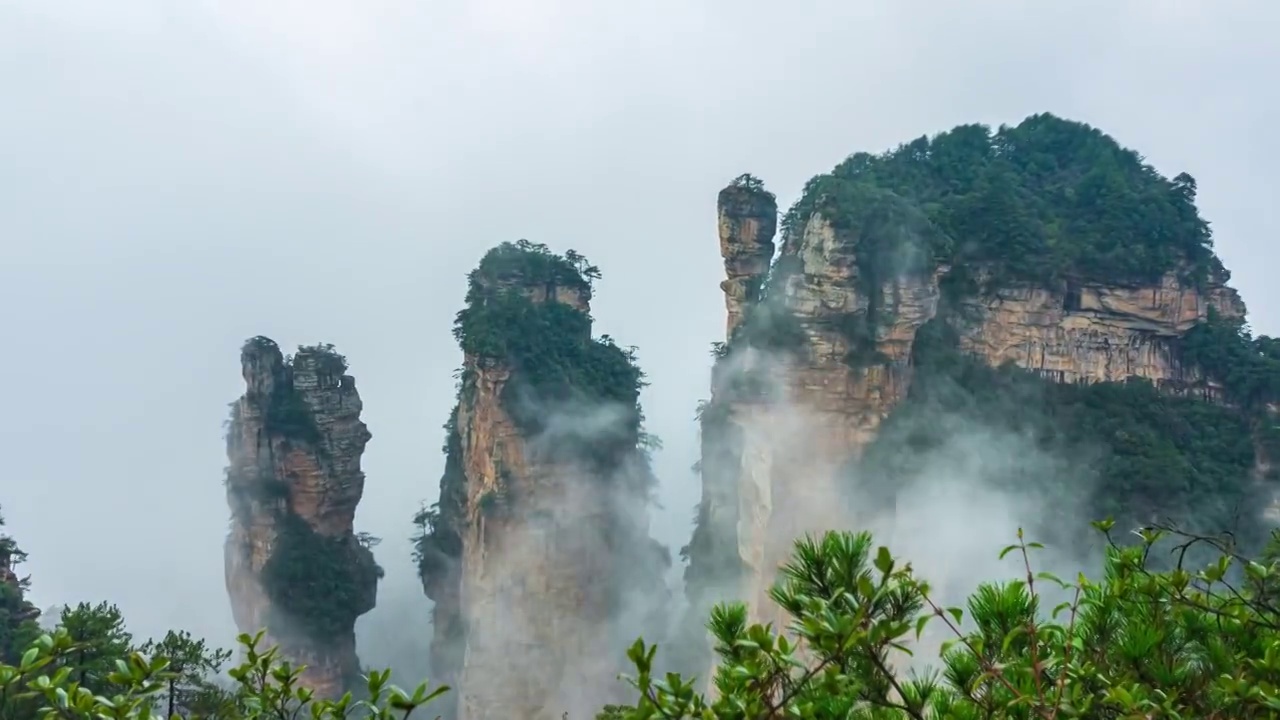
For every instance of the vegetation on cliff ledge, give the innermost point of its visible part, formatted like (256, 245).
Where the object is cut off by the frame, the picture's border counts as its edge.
(1047, 203)
(318, 585)
(1192, 453)
(1247, 367)
(1126, 450)
(1044, 200)
(516, 315)
(285, 412)
(437, 544)
(527, 310)
(573, 398)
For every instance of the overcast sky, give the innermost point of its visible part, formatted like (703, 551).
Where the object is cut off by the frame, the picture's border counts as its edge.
(179, 175)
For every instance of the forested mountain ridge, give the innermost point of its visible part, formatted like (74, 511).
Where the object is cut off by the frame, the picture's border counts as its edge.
(1039, 281)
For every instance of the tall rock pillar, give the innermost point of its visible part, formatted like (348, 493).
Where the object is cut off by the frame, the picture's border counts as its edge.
(747, 220)
(294, 565)
(538, 554)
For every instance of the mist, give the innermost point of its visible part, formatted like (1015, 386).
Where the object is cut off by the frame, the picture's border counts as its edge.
(948, 510)
(179, 177)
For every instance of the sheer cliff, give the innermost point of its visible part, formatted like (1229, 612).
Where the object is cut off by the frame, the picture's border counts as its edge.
(294, 565)
(538, 554)
(1040, 281)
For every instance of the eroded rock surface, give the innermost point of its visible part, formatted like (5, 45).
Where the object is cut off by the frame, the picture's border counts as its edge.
(538, 555)
(1097, 333)
(748, 220)
(782, 424)
(294, 564)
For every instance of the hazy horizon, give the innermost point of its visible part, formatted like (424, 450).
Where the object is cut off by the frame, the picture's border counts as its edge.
(180, 178)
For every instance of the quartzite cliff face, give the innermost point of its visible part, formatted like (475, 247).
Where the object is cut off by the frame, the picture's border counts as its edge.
(541, 531)
(821, 345)
(294, 565)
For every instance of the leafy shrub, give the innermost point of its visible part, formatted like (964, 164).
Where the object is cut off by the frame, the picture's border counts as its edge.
(1134, 643)
(321, 584)
(265, 688)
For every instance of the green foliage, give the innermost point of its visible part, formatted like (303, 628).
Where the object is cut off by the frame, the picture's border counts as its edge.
(750, 183)
(17, 615)
(321, 584)
(1127, 449)
(528, 264)
(1045, 200)
(89, 669)
(285, 412)
(100, 638)
(1134, 643)
(1248, 369)
(288, 415)
(526, 311)
(437, 544)
(265, 489)
(188, 689)
(554, 359)
(37, 687)
(1225, 350)
(326, 359)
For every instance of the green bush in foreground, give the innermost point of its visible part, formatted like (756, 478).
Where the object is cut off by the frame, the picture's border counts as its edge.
(266, 688)
(1133, 644)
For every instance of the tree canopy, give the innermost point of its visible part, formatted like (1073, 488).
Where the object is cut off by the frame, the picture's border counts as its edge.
(1046, 199)
(548, 344)
(1132, 641)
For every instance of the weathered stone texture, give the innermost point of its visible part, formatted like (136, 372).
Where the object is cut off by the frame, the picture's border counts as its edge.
(747, 222)
(821, 412)
(529, 612)
(315, 478)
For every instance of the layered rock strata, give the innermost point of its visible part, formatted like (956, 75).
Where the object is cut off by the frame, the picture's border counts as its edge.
(748, 220)
(1092, 332)
(294, 565)
(783, 422)
(537, 555)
